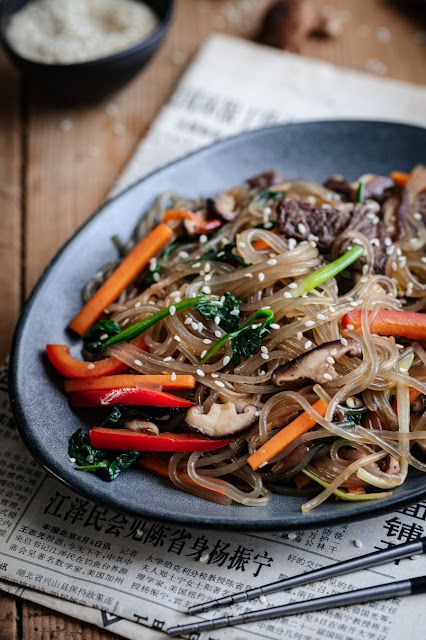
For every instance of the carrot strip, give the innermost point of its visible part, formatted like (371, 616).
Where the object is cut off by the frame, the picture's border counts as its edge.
(151, 463)
(413, 393)
(262, 245)
(356, 491)
(300, 425)
(129, 380)
(200, 226)
(401, 178)
(302, 481)
(408, 324)
(125, 273)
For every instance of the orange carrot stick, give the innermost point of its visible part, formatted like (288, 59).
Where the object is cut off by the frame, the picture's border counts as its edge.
(302, 481)
(391, 322)
(300, 425)
(129, 380)
(125, 273)
(413, 393)
(401, 178)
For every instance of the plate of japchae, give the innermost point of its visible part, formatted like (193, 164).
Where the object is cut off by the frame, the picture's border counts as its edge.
(238, 340)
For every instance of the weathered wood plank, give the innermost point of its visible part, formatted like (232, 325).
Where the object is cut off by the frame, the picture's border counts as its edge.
(10, 203)
(8, 617)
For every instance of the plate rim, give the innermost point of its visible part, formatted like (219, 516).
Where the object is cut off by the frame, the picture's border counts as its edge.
(359, 512)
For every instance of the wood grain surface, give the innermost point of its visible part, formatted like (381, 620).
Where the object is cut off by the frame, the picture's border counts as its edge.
(58, 163)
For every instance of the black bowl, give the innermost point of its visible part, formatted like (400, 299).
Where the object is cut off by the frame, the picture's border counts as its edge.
(95, 79)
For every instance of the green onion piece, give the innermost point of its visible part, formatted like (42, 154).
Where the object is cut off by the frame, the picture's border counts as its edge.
(140, 327)
(264, 313)
(329, 271)
(360, 193)
(345, 495)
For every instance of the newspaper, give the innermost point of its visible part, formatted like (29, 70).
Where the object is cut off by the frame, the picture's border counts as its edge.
(137, 577)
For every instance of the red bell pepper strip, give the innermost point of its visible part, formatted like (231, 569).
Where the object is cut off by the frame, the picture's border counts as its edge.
(128, 396)
(59, 355)
(200, 226)
(125, 439)
(391, 323)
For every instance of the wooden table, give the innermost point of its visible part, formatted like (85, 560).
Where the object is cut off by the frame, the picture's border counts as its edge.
(57, 164)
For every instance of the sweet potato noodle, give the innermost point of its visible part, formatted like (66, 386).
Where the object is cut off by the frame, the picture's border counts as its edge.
(373, 429)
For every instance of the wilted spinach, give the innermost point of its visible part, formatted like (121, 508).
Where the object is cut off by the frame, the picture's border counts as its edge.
(95, 337)
(225, 310)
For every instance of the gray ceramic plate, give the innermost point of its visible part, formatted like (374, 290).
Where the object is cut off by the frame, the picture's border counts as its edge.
(314, 150)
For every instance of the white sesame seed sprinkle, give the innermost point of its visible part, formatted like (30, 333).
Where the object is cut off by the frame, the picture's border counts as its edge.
(207, 277)
(292, 243)
(358, 543)
(168, 358)
(350, 402)
(262, 600)
(183, 254)
(330, 360)
(215, 375)
(104, 336)
(203, 239)
(138, 363)
(203, 353)
(196, 265)
(265, 356)
(327, 376)
(173, 376)
(261, 276)
(309, 323)
(206, 289)
(299, 335)
(287, 294)
(194, 325)
(201, 373)
(344, 341)
(72, 460)
(156, 277)
(350, 327)
(242, 244)
(207, 267)
(204, 558)
(174, 294)
(177, 338)
(200, 326)
(218, 334)
(387, 242)
(219, 383)
(301, 228)
(417, 215)
(274, 325)
(292, 285)
(137, 304)
(264, 349)
(217, 320)
(226, 360)
(332, 309)
(272, 262)
(333, 352)
(308, 344)
(234, 312)
(207, 341)
(321, 316)
(292, 536)
(172, 310)
(248, 275)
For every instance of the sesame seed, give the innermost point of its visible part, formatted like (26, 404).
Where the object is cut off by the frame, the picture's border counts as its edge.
(272, 262)
(218, 334)
(292, 244)
(219, 383)
(287, 294)
(137, 305)
(217, 320)
(413, 240)
(201, 373)
(194, 325)
(417, 215)
(358, 543)
(207, 341)
(72, 460)
(248, 275)
(355, 304)
(330, 360)
(387, 242)
(203, 239)
(168, 358)
(274, 325)
(126, 320)
(206, 289)
(153, 264)
(299, 335)
(173, 376)
(321, 316)
(261, 276)
(196, 265)
(207, 267)
(292, 536)
(204, 558)
(292, 285)
(174, 294)
(215, 375)
(265, 308)
(268, 225)
(265, 356)
(177, 338)
(350, 327)
(343, 341)
(327, 376)
(309, 323)
(262, 599)
(137, 363)
(200, 326)
(415, 557)
(156, 277)
(263, 464)
(308, 344)
(226, 360)
(333, 352)
(242, 244)
(301, 228)
(234, 312)
(267, 211)
(332, 309)
(423, 259)
(183, 254)
(264, 349)
(178, 299)
(203, 353)
(207, 277)
(172, 310)
(350, 402)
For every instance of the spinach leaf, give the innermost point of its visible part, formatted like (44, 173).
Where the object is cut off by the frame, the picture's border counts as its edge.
(95, 337)
(266, 194)
(120, 414)
(215, 309)
(226, 254)
(248, 340)
(107, 463)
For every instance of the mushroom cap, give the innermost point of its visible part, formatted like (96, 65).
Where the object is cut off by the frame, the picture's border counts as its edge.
(224, 206)
(221, 420)
(316, 364)
(142, 426)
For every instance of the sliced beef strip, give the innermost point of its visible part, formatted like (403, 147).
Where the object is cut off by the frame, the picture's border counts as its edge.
(378, 188)
(299, 220)
(339, 185)
(371, 230)
(266, 179)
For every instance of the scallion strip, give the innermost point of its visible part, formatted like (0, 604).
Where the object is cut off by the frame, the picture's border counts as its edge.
(345, 495)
